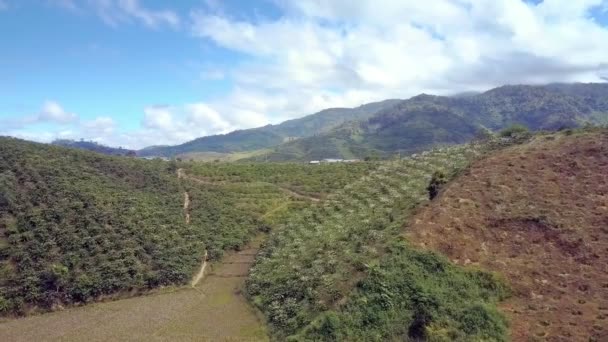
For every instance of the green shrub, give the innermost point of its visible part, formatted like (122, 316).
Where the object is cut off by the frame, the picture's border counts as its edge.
(513, 131)
(437, 181)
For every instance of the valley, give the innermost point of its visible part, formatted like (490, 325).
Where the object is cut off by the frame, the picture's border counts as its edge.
(499, 238)
(295, 171)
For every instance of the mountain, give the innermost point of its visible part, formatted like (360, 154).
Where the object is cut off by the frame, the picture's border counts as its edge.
(271, 135)
(93, 146)
(425, 120)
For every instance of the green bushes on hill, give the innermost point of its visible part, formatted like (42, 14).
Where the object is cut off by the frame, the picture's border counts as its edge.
(335, 271)
(76, 226)
(313, 180)
(410, 294)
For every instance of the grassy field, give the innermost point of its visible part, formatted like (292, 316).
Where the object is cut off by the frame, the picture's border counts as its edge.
(215, 310)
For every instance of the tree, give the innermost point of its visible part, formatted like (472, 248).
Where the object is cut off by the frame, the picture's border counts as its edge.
(514, 131)
(437, 181)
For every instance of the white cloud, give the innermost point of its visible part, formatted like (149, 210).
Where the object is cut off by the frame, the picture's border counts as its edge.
(344, 53)
(158, 117)
(101, 126)
(53, 112)
(148, 17)
(322, 54)
(115, 12)
(172, 125)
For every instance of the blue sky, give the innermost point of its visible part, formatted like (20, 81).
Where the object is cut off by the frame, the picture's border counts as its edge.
(137, 72)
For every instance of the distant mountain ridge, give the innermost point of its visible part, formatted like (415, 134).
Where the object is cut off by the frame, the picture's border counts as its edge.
(391, 126)
(425, 120)
(94, 147)
(271, 135)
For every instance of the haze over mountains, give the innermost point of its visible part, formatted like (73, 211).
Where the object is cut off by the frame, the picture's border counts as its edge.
(409, 125)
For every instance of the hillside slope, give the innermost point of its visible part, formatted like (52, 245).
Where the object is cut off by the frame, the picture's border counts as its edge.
(423, 121)
(76, 226)
(271, 135)
(538, 214)
(337, 271)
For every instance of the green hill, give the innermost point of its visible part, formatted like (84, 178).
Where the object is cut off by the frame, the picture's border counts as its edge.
(76, 226)
(338, 271)
(425, 120)
(271, 135)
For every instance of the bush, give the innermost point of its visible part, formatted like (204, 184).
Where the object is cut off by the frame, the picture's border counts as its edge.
(514, 131)
(437, 181)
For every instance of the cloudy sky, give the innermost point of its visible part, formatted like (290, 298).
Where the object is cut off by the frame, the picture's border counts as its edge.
(135, 73)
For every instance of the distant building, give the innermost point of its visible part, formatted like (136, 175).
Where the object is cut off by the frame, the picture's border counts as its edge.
(334, 160)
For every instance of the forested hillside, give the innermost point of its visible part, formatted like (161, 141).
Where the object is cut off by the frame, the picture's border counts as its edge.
(271, 135)
(95, 147)
(425, 121)
(76, 226)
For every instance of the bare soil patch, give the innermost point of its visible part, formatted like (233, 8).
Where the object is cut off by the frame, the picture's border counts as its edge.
(538, 214)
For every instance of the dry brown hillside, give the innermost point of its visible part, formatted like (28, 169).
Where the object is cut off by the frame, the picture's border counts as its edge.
(538, 214)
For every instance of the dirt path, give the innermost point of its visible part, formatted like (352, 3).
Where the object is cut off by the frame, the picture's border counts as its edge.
(187, 207)
(201, 273)
(215, 310)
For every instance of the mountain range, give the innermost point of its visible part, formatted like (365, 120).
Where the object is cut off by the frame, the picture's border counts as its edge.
(399, 126)
(271, 135)
(423, 121)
